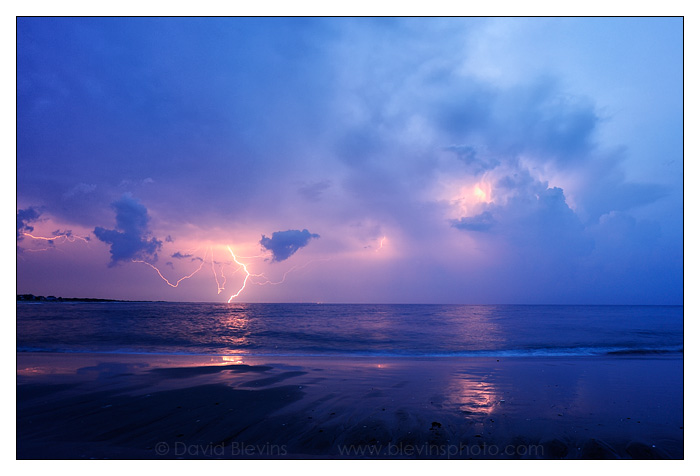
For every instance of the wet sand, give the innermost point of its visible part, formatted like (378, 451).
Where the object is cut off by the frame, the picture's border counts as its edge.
(81, 406)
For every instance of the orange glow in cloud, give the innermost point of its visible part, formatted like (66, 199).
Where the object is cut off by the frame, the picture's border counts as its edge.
(480, 194)
(471, 198)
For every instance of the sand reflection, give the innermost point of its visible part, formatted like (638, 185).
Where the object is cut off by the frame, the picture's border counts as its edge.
(474, 394)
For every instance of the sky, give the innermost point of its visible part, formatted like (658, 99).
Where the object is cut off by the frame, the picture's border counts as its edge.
(395, 160)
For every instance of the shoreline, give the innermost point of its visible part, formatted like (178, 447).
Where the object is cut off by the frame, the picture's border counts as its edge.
(148, 406)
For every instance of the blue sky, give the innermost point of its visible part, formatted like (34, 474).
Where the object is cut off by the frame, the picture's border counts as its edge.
(466, 160)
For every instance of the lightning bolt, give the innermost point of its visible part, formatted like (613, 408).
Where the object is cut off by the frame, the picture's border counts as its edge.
(177, 283)
(247, 275)
(293, 268)
(67, 236)
(218, 268)
(219, 287)
(220, 272)
(223, 276)
(381, 245)
(70, 237)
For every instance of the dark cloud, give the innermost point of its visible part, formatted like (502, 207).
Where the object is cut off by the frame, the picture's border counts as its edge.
(179, 255)
(68, 234)
(24, 217)
(284, 244)
(131, 237)
(481, 222)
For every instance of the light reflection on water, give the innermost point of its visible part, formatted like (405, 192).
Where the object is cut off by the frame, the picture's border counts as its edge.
(352, 330)
(233, 330)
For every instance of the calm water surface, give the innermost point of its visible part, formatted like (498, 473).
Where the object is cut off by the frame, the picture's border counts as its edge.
(342, 329)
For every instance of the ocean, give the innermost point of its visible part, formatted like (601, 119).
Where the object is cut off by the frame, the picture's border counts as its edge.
(348, 329)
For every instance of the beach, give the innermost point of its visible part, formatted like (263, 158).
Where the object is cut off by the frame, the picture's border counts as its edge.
(151, 406)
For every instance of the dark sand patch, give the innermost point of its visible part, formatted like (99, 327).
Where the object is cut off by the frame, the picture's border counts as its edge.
(186, 372)
(31, 391)
(203, 415)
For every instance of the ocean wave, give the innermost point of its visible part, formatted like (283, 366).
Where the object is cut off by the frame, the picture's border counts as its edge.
(503, 353)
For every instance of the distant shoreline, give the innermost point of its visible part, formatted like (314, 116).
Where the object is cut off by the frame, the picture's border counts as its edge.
(33, 298)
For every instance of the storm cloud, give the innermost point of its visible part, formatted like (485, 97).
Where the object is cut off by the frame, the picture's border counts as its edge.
(481, 222)
(489, 148)
(24, 218)
(131, 239)
(284, 244)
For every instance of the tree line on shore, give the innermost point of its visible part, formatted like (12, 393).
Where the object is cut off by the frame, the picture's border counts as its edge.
(32, 297)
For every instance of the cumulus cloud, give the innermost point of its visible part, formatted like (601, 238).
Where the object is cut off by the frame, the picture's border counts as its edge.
(530, 214)
(131, 239)
(24, 217)
(513, 136)
(284, 244)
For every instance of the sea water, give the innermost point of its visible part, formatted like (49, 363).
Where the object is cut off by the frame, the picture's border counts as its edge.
(348, 329)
